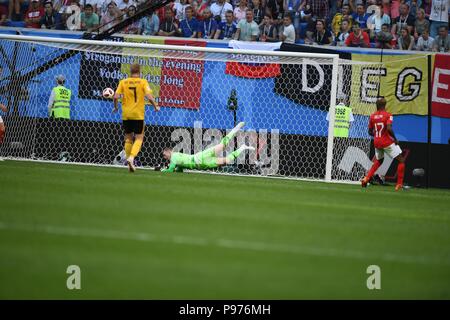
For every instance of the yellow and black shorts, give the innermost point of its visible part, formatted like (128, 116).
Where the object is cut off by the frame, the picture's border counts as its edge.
(133, 126)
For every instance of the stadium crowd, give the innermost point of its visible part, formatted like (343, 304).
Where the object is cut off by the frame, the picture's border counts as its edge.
(390, 24)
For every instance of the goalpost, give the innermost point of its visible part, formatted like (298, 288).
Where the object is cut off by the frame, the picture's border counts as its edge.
(284, 98)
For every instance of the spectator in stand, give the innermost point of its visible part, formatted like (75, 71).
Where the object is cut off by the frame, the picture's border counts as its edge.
(344, 14)
(392, 8)
(247, 29)
(335, 7)
(322, 36)
(384, 38)
(276, 10)
(358, 38)
(387, 7)
(51, 18)
(278, 19)
(3, 15)
(161, 12)
(438, 16)
(89, 19)
(293, 9)
(16, 9)
(258, 11)
(112, 16)
(267, 31)
(220, 8)
(194, 6)
(34, 14)
(207, 28)
(406, 40)
(240, 11)
(361, 17)
(319, 10)
(96, 6)
(404, 20)
(426, 6)
(371, 7)
(102, 7)
(61, 6)
(376, 21)
(149, 25)
(201, 6)
(169, 26)
(134, 27)
(4, 4)
(353, 4)
(180, 9)
(420, 24)
(288, 35)
(123, 5)
(442, 41)
(189, 26)
(425, 42)
(227, 29)
(413, 7)
(343, 34)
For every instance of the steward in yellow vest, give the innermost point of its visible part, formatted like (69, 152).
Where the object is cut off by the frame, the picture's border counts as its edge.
(59, 102)
(342, 120)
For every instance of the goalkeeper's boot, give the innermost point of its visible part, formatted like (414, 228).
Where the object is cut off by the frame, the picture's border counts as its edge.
(245, 147)
(364, 182)
(398, 187)
(130, 162)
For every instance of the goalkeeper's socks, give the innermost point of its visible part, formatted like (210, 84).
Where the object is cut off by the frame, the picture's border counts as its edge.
(136, 147)
(128, 146)
(372, 170)
(400, 173)
(233, 155)
(225, 140)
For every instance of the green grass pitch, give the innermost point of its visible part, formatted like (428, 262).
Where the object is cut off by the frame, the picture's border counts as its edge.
(192, 236)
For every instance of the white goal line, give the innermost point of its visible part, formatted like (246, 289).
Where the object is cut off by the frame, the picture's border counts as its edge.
(208, 172)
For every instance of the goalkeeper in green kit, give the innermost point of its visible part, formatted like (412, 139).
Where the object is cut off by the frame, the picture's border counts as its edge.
(206, 159)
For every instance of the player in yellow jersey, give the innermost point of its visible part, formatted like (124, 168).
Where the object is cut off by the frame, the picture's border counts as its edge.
(133, 91)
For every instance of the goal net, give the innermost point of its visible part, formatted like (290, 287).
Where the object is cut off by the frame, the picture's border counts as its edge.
(283, 97)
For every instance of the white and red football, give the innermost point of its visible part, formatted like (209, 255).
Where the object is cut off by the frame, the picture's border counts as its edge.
(108, 93)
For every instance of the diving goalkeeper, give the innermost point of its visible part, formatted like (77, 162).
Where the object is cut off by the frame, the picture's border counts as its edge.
(206, 159)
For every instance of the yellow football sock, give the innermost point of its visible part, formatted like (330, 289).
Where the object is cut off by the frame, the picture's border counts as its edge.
(128, 146)
(136, 147)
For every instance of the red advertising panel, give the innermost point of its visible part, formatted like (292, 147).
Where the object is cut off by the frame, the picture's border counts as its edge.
(440, 94)
(181, 79)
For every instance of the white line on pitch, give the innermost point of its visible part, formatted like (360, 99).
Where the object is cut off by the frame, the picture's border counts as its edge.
(226, 243)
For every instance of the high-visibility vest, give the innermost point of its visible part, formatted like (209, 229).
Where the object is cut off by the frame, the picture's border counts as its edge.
(61, 104)
(342, 121)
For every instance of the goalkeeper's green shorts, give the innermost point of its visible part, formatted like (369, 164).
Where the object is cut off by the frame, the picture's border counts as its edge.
(206, 159)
